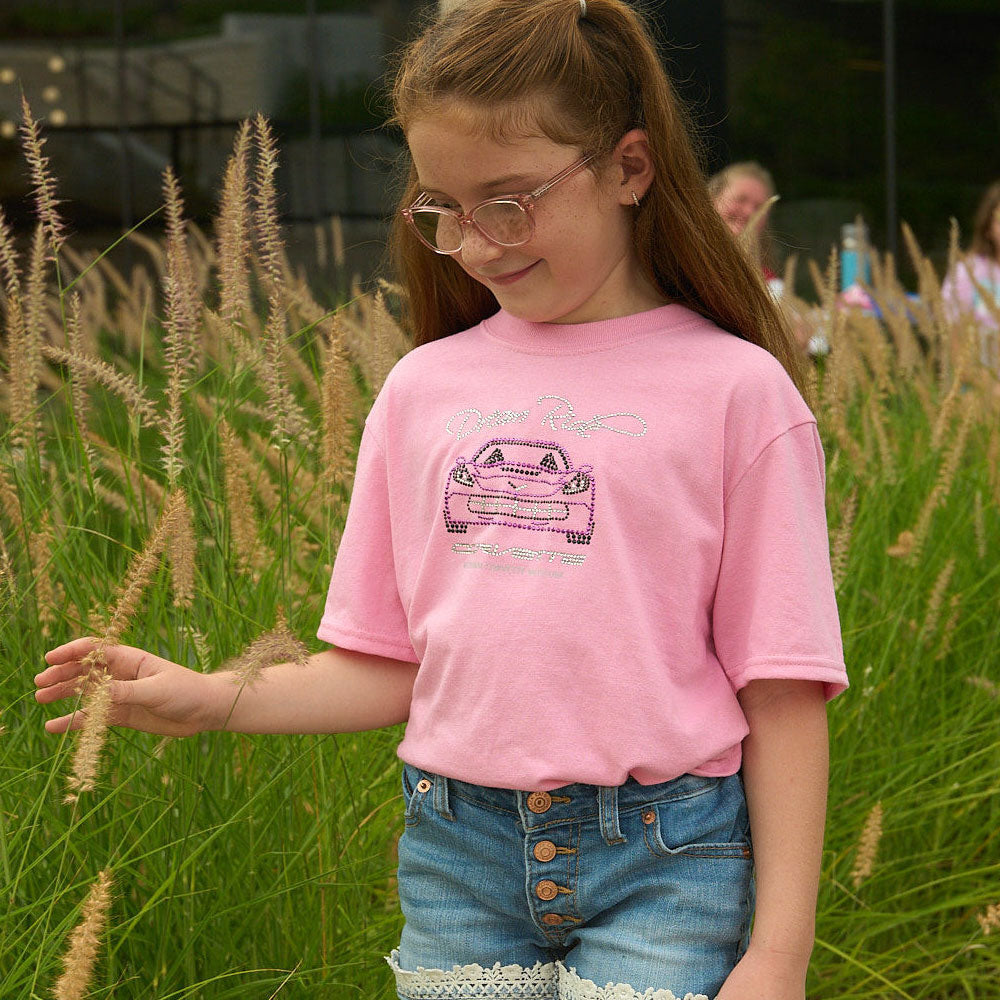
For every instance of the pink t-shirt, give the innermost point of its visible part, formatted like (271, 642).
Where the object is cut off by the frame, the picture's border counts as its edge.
(590, 537)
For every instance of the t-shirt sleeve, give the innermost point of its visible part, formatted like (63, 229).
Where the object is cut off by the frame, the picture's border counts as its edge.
(775, 612)
(363, 608)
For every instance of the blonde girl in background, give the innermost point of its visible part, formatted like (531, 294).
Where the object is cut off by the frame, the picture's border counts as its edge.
(739, 192)
(586, 554)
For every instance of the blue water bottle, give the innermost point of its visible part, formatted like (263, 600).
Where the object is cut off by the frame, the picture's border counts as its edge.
(854, 264)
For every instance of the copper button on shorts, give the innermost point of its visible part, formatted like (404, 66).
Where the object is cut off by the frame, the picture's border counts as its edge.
(551, 919)
(546, 889)
(544, 850)
(539, 802)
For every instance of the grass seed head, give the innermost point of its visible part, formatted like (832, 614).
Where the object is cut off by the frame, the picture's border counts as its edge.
(85, 942)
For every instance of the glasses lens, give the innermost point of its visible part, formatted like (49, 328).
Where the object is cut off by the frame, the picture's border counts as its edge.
(505, 222)
(440, 230)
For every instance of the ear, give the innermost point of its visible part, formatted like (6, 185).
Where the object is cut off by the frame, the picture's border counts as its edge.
(633, 165)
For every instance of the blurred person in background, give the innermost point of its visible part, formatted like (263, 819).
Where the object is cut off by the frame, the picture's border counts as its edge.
(973, 284)
(741, 192)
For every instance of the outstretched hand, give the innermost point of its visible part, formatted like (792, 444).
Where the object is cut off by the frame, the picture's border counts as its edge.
(148, 693)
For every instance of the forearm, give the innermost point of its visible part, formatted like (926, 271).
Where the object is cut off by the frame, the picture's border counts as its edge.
(337, 691)
(785, 773)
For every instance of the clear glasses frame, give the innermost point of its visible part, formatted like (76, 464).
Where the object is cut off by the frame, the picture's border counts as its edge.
(525, 203)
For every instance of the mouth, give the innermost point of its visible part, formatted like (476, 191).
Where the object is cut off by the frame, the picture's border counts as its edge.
(510, 277)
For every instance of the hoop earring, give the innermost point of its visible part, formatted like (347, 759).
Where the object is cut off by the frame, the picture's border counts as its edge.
(635, 199)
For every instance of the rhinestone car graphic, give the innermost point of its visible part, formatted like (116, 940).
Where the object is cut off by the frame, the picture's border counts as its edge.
(522, 484)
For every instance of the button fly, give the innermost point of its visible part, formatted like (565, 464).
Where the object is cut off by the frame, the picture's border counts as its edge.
(551, 919)
(546, 889)
(544, 850)
(539, 802)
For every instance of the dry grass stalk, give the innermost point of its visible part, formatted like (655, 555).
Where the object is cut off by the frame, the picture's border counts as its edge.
(984, 684)
(10, 502)
(903, 546)
(276, 646)
(46, 203)
(143, 566)
(979, 525)
(886, 456)
(338, 404)
(85, 941)
(20, 379)
(116, 381)
(78, 380)
(946, 411)
(936, 597)
(47, 594)
(8, 583)
(841, 542)
(96, 708)
(948, 632)
(180, 323)
(233, 232)
(239, 504)
(871, 834)
(96, 686)
(989, 919)
(306, 484)
(267, 231)
(220, 331)
(181, 555)
(945, 479)
(284, 415)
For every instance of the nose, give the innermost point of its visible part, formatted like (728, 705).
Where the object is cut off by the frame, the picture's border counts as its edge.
(476, 248)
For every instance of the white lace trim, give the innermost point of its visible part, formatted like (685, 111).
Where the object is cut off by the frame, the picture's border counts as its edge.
(551, 981)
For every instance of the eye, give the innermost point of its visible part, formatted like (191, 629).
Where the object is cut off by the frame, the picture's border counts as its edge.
(495, 458)
(549, 462)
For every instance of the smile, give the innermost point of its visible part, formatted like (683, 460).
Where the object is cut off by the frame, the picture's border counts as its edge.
(509, 279)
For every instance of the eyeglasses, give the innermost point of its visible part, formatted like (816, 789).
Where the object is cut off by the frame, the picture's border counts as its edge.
(506, 221)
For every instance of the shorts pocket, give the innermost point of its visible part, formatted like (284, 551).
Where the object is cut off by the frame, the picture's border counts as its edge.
(712, 823)
(416, 786)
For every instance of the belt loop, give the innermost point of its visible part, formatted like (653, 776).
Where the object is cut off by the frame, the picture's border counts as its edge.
(441, 804)
(607, 810)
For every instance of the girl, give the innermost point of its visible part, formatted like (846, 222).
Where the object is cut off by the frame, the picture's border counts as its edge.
(586, 554)
(739, 192)
(973, 286)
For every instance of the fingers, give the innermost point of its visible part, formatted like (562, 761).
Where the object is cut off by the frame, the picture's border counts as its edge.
(75, 649)
(122, 662)
(65, 723)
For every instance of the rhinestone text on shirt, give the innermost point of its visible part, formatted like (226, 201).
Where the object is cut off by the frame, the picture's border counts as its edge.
(518, 552)
(561, 416)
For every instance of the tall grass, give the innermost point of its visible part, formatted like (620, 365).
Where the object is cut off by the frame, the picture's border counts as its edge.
(208, 379)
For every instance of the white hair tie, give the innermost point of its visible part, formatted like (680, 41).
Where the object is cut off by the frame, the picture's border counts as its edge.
(583, 8)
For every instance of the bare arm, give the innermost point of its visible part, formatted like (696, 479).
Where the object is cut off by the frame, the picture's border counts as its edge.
(336, 691)
(785, 772)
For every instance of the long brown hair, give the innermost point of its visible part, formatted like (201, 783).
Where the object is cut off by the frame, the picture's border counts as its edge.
(584, 81)
(982, 240)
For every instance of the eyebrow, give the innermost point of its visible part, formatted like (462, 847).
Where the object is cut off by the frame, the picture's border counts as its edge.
(508, 184)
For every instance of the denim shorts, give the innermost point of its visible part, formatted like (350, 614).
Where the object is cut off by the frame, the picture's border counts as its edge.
(580, 893)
